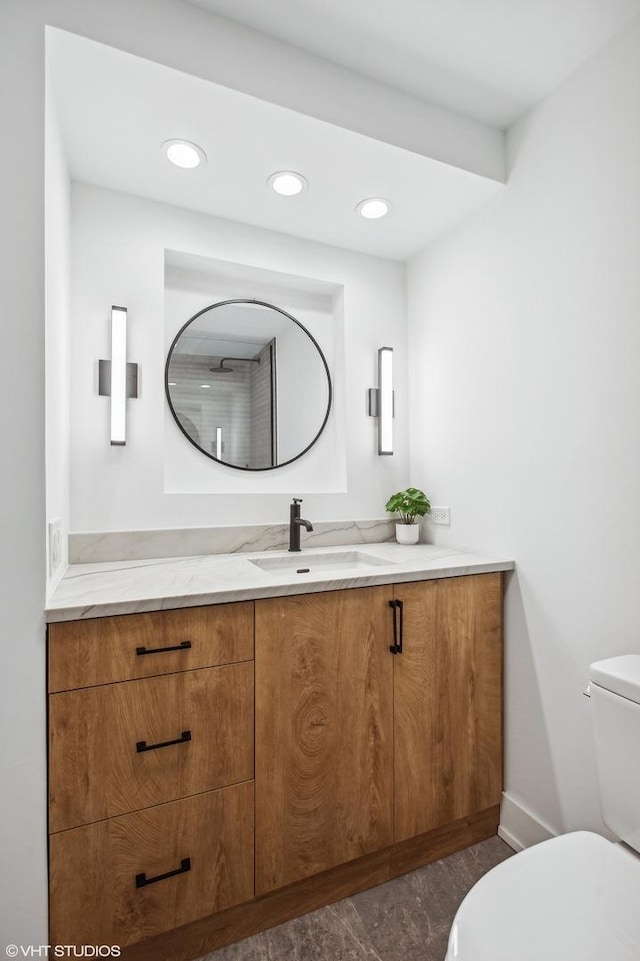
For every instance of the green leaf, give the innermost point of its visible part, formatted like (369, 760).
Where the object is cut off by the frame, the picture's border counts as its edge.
(409, 503)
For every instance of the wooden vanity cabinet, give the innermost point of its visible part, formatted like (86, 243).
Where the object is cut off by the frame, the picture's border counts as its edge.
(151, 761)
(378, 720)
(357, 747)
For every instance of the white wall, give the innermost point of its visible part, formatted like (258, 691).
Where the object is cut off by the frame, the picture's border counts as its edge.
(525, 385)
(118, 257)
(57, 243)
(23, 857)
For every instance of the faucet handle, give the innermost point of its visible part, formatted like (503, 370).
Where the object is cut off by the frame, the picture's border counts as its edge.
(297, 500)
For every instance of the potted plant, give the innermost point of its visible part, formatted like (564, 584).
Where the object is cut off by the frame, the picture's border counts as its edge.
(408, 504)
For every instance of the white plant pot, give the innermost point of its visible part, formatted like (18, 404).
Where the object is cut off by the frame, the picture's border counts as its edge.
(407, 533)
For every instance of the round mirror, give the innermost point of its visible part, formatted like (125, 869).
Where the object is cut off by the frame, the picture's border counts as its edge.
(248, 385)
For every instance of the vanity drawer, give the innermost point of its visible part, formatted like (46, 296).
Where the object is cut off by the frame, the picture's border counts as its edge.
(129, 878)
(122, 747)
(106, 649)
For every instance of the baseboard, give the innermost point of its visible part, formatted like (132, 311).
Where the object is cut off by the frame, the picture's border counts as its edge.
(519, 827)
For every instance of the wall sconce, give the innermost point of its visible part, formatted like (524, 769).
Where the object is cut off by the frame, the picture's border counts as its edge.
(116, 378)
(381, 400)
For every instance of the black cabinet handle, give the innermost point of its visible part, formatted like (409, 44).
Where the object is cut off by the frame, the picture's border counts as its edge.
(184, 646)
(142, 746)
(398, 626)
(142, 880)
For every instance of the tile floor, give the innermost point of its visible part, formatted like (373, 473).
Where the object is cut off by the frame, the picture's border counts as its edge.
(407, 919)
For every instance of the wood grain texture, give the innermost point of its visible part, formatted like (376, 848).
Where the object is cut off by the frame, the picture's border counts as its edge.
(208, 934)
(93, 896)
(323, 732)
(103, 650)
(415, 721)
(489, 691)
(415, 852)
(448, 702)
(95, 771)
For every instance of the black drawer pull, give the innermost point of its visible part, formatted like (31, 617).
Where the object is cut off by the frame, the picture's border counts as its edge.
(143, 746)
(398, 628)
(184, 646)
(142, 880)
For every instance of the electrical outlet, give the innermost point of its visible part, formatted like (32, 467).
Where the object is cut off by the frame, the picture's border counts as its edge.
(55, 546)
(440, 515)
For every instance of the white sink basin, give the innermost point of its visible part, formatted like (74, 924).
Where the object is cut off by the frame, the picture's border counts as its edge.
(309, 563)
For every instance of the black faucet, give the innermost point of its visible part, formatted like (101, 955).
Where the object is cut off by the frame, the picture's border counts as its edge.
(295, 523)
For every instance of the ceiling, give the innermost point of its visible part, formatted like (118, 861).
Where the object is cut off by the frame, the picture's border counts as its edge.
(115, 110)
(487, 59)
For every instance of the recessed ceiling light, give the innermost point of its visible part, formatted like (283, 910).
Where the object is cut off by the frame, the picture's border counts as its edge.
(184, 154)
(287, 183)
(205, 386)
(373, 208)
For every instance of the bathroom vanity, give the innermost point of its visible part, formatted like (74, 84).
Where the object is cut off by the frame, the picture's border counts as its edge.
(268, 745)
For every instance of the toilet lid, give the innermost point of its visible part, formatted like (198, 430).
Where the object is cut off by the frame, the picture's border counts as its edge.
(573, 898)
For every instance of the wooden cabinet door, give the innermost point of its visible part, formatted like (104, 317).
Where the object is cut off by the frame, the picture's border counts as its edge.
(324, 741)
(448, 702)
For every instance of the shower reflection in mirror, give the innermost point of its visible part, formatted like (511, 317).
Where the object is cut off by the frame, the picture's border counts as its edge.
(248, 385)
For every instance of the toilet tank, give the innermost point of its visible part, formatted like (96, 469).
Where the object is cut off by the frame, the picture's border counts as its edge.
(615, 704)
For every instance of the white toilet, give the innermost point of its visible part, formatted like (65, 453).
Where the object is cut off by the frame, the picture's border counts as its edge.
(577, 896)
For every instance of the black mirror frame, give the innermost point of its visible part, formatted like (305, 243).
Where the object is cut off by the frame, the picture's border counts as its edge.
(260, 303)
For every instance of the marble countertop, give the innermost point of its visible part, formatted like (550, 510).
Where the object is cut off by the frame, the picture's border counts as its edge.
(129, 587)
